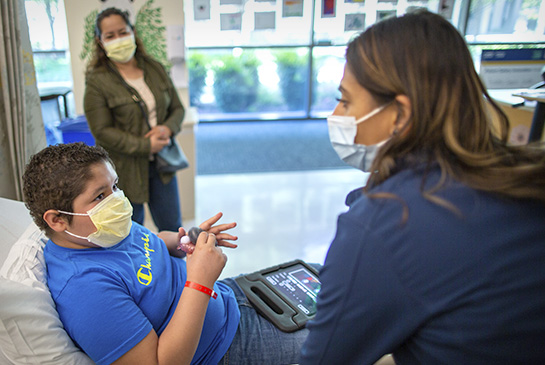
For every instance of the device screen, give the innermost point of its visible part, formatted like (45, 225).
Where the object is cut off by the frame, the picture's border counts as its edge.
(298, 285)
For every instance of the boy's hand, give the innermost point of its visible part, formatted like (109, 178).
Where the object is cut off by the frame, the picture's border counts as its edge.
(188, 246)
(208, 225)
(205, 264)
(172, 240)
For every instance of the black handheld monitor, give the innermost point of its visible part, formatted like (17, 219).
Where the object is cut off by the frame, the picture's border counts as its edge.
(285, 294)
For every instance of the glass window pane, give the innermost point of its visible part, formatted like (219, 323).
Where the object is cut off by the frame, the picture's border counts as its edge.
(47, 32)
(53, 68)
(292, 70)
(506, 21)
(265, 83)
(49, 40)
(329, 65)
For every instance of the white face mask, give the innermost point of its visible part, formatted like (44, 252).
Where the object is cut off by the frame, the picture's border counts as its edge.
(342, 133)
(120, 49)
(112, 219)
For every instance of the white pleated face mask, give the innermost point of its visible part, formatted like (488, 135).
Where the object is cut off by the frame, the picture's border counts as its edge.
(342, 132)
(112, 219)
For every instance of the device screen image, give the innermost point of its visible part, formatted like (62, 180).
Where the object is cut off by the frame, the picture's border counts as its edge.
(298, 285)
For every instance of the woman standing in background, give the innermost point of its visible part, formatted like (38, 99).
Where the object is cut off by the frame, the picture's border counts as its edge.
(133, 110)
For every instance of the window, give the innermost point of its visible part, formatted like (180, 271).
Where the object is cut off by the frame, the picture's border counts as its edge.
(505, 24)
(48, 37)
(494, 22)
(49, 41)
(274, 59)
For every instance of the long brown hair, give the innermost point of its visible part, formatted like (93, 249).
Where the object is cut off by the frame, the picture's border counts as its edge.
(421, 55)
(99, 55)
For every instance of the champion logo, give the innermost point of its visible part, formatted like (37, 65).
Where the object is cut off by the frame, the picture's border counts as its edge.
(144, 273)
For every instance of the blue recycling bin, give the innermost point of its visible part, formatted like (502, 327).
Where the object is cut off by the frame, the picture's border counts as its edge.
(76, 130)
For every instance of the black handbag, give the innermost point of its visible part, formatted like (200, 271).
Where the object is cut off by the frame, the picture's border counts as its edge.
(171, 158)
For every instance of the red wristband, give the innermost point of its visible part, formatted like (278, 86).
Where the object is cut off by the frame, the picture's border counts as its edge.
(199, 287)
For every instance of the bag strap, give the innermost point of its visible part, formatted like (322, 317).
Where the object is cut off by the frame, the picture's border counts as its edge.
(136, 99)
(133, 92)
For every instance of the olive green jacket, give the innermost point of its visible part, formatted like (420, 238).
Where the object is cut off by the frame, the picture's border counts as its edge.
(118, 124)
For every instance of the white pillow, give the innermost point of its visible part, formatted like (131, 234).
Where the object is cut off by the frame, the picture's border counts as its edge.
(30, 329)
(25, 261)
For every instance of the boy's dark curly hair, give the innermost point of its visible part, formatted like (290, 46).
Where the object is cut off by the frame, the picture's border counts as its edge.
(55, 176)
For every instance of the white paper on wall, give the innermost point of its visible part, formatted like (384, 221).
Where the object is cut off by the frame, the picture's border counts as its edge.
(178, 74)
(201, 9)
(446, 8)
(231, 21)
(292, 8)
(354, 22)
(230, 2)
(175, 42)
(265, 20)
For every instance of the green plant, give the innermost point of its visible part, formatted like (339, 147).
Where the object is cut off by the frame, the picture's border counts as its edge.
(151, 31)
(236, 82)
(293, 74)
(86, 53)
(197, 65)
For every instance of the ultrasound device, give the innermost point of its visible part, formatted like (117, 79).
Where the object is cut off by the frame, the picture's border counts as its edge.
(285, 294)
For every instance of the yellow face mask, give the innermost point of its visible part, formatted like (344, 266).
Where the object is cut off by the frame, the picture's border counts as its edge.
(112, 219)
(120, 49)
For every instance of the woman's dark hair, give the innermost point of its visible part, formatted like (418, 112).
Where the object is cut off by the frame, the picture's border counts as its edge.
(453, 120)
(106, 13)
(99, 55)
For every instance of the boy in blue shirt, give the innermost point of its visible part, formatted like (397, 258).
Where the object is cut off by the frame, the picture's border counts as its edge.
(124, 295)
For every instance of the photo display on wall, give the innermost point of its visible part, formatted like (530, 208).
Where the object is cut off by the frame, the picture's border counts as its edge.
(354, 22)
(265, 20)
(231, 21)
(292, 8)
(201, 9)
(328, 8)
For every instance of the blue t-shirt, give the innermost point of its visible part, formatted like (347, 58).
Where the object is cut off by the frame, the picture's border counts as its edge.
(109, 299)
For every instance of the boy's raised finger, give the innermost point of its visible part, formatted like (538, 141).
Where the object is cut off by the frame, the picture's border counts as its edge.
(207, 224)
(222, 227)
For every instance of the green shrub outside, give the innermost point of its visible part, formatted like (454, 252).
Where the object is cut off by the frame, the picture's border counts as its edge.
(292, 72)
(52, 68)
(197, 67)
(236, 82)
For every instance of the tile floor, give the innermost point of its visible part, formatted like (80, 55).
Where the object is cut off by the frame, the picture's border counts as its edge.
(281, 216)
